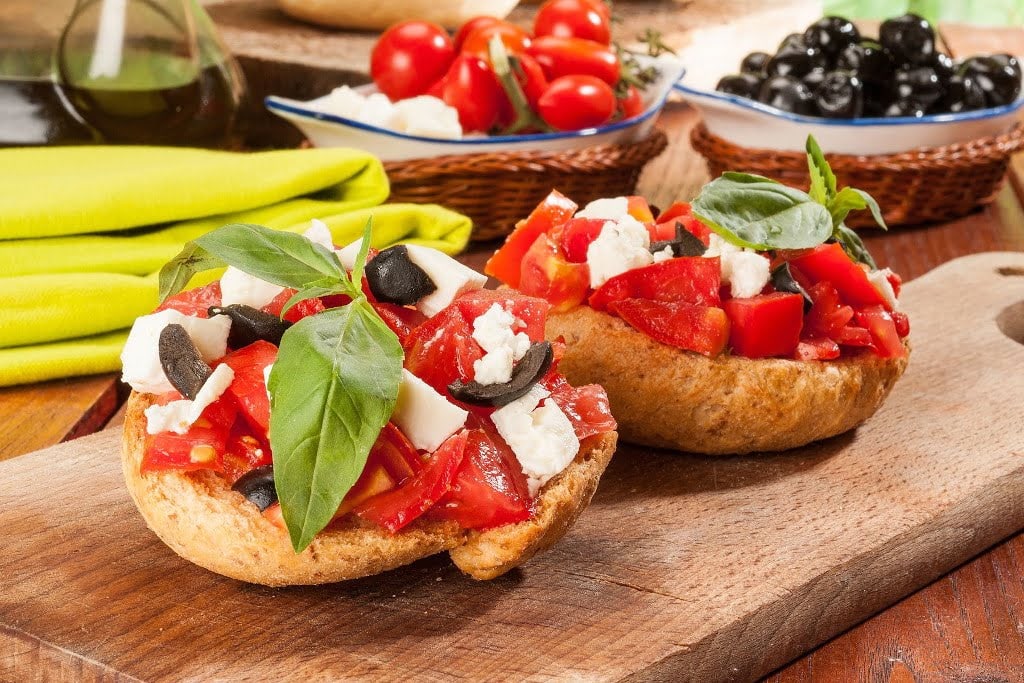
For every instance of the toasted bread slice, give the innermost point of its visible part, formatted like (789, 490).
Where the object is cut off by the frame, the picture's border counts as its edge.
(199, 517)
(669, 398)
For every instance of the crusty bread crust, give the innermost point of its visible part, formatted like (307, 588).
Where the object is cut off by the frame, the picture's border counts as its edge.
(201, 519)
(669, 398)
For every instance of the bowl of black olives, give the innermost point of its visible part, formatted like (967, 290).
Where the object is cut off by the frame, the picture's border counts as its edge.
(862, 95)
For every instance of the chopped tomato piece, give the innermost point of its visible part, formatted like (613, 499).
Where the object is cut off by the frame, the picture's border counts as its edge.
(443, 350)
(374, 480)
(393, 450)
(398, 507)
(249, 387)
(665, 229)
(274, 515)
(531, 310)
(826, 318)
(829, 263)
(243, 452)
(505, 265)
(816, 348)
(194, 301)
(490, 487)
(895, 281)
(638, 208)
(400, 319)
(576, 236)
(200, 448)
(297, 312)
(883, 331)
(586, 407)
(902, 323)
(545, 273)
(704, 329)
(851, 335)
(765, 325)
(688, 279)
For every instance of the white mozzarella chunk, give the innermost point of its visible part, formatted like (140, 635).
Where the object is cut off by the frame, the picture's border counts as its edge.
(238, 287)
(611, 209)
(178, 416)
(319, 233)
(542, 437)
(620, 246)
(426, 417)
(663, 255)
(747, 273)
(493, 331)
(343, 101)
(426, 116)
(140, 358)
(495, 367)
(347, 254)
(377, 110)
(449, 276)
(881, 282)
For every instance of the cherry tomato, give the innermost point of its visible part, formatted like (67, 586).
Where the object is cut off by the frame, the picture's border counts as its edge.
(470, 26)
(531, 76)
(515, 39)
(632, 104)
(474, 91)
(567, 56)
(576, 102)
(410, 57)
(574, 19)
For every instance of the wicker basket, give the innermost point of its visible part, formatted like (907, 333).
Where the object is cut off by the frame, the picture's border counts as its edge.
(497, 190)
(919, 186)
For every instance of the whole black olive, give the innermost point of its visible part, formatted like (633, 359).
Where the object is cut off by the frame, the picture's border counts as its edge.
(962, 94)
(840, 95)
(795, 62)
(395, 279)
(831, 35)
(793, 40)
(910, 39)
(998, 76)
(250, 324)
(527, 372)
(905, 108)
(743, 85)
(787, 94)
(183, 365)
(754, 63)
(257, 485)
(814, 79)
(870, 61)
(943, 65)
(876, 99)
(919, 84)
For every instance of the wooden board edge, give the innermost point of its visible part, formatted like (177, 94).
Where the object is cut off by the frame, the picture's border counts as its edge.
(24, 657)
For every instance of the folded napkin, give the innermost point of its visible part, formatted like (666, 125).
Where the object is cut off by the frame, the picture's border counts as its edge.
(84, 230)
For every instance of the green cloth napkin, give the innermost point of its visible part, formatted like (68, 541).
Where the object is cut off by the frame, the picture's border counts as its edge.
(84, 230)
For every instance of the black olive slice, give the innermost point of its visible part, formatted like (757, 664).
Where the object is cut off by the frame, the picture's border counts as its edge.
(526, 373)
(783, 281)
(250, 324)
(257, 485)
(395, 279)
(684, 244)
(185, 368)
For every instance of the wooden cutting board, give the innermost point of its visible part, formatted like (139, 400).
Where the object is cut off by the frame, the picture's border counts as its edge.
(684, 567)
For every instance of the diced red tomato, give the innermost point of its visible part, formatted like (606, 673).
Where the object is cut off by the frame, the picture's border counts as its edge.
(545, 273)
(400, 319)
(895, 281)
(851, 335)
(638, 208)
(489, 489)
(243, 452)
(398, 507)
(374, 481)
(505, 265)
(902, 323)
(704, 329)
(297, 312)
(194, 301)
(665, 228)
(826, 318)
(816, 348)
(531, 310)
(586, 407)
(765, 325)
(249, 387)
(883, 331)
(687, 279)
(274, 515)
(828, 262)
(391, 462)
(201, 447)
(576, 236)
(442, 349)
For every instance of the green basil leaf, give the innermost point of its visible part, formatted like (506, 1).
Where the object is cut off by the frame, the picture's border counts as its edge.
(823, 181)
(282, 258)
(852, 245)
(364, 251)
(177, 272)
(752, 211)
(843, 203)
(876, 212)
(333, 388)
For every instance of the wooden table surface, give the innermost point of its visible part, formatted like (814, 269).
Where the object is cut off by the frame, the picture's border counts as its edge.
(967, 626)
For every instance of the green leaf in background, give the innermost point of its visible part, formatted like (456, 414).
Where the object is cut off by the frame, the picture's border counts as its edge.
(333, 387)
(989, 12)
(756, 212)
(823, 181)
(177, 272)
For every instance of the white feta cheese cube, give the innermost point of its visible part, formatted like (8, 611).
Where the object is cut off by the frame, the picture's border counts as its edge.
(238, 287)
(493, 331)
(426, 116)
(319, 233)
(663, 255)
(449, 276)
(620, 246)
(178, 416)
(377, 110)
(611, 209)
(347, 254)
(879, 278)
(747, 272)
(343, 101)
(140, 358)
(426, 417)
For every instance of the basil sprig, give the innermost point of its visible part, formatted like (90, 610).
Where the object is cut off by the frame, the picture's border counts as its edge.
(335, 382)
(759, 213)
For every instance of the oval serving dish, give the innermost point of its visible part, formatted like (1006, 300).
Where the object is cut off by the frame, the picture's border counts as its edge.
(329, 130)
(748, 123)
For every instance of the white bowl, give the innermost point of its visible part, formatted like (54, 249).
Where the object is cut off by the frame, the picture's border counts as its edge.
(749, 123)
(328, 130)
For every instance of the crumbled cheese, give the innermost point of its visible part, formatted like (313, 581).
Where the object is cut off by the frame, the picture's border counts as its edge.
(140, 358)
(621, 245)
(319, 233)
(426, 417)
(347, 254)
(178, 416)
(611, 209)
(449, 276)
(493, 331)
(879, 278)
(238, 287)
(744, 270)
(541, 436)
(424, 115)
(663, 255)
